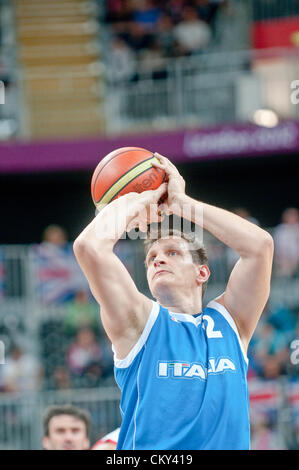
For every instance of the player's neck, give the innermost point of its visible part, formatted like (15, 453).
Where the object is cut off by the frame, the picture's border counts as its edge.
(185, 305)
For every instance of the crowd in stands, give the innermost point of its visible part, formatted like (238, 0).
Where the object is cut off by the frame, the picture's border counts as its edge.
(74, 350)
(149, 31)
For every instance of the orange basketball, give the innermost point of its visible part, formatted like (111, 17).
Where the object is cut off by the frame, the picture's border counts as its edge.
(125, 170)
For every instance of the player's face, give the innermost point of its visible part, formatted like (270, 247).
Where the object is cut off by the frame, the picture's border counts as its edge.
(66, 433)
(169, 263)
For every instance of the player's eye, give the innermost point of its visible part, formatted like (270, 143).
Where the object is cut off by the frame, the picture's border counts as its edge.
(172, 252)
(150, 259)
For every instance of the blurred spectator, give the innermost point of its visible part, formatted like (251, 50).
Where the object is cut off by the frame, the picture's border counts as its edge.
(286, 242)
(107, 362)
(60, 379)
(146, 14)
(84, 352)
(231, 26)
(191, 34)
(66, 427)
(107, 442)
(121, 66)
(58, 275)
(180, 27)
(263, 436)
(152, 60)
(282, 319)
(270, 351)
(55, 235)
(118, 12)
(165, 35)
(81, 312)
(136, 37)
(21, 373)
(243, 212)
(206, 9)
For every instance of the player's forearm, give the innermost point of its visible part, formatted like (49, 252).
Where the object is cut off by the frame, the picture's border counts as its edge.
(244, 237)
(102, 233)
(116, 218)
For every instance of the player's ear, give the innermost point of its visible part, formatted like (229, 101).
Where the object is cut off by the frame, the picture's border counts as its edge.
(203, 273)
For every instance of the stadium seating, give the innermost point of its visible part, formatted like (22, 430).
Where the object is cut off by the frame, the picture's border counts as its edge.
(61, 73)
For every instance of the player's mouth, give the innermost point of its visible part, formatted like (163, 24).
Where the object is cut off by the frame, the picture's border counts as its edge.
(160, 272)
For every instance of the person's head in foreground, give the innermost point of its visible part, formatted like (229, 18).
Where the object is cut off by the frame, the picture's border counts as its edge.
(66, 427)
(176, 266)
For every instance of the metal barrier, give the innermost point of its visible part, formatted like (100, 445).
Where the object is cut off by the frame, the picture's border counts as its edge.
(21, 417)
(208, 89)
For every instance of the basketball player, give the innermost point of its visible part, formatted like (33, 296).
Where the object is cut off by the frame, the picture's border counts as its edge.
(66, 427)
(108, 442)
(181, 368)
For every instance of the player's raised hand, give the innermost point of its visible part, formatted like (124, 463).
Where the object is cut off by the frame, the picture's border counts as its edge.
(175, 182)
(143, 208)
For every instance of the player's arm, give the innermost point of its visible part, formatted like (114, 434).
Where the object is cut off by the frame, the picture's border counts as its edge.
(248, 287)
(124, 310)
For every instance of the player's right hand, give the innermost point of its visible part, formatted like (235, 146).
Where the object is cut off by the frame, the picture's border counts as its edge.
(144, 208)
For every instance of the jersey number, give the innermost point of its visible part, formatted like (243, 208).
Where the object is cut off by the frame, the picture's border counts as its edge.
(211, 333)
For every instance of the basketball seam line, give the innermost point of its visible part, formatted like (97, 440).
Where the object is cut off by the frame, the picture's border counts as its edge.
(121, 153)
(144, 171)
(128, 171)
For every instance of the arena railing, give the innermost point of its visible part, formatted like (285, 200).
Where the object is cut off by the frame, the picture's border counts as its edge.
(21, 415)
(211, 88)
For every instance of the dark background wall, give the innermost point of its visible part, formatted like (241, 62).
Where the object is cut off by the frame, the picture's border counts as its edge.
(29, 203)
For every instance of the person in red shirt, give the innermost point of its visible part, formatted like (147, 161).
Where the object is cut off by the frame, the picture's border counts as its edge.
(108, 442)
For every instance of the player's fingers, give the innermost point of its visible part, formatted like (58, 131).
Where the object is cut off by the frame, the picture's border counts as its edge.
(156, 194)
(164, 209)
(164, 160)
(165, 164)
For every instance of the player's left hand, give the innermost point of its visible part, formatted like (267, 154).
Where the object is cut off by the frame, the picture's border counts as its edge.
(175, 182)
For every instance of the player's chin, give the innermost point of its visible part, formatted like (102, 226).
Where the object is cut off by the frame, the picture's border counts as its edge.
(160, 282)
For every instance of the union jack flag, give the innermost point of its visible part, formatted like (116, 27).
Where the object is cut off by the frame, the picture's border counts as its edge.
(57, 274)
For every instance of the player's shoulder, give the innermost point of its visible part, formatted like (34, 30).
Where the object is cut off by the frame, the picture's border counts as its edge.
(216, 308)
(216, 311)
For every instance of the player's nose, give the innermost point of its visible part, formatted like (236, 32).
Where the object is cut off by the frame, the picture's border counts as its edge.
(158, 262)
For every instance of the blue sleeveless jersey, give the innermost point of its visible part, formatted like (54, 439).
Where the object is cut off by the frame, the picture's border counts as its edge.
(184, 384)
